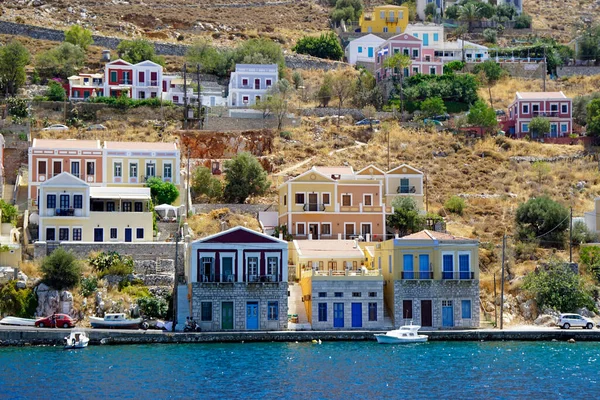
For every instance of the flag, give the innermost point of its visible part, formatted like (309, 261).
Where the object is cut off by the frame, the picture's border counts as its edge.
(382, 51)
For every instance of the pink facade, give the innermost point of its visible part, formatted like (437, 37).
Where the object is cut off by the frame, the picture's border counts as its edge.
(423, 60)
(554, 106)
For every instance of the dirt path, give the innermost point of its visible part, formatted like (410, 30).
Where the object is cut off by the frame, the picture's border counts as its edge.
(308, 160)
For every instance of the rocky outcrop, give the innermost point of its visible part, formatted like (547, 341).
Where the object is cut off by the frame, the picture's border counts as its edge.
(219, 145)
(52, 301)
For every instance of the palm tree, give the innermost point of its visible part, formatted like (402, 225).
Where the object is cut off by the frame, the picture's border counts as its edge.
(468, 13)
(399, 62)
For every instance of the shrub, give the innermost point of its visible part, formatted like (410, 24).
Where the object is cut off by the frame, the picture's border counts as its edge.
(526, 251)
(61, 61)
(153, 307)
(523, 21)
(590, 257)
(104, 260)
(79, 36)
(17, 302)
(9, 212)
(544, 218)
(205, 184)
(244, 177)
(17, 107)
(406, 218)
(55, 91)
(138, 50)
(61, 270)
(455, 205)
(287, 135)
(490, 35)
(582, 235)
(135, 290)
(432, 106)
(452, 11)
(539, 126)
(346, 10)
(162, 192)
(325, 46)
(297, 80)
(89, 285)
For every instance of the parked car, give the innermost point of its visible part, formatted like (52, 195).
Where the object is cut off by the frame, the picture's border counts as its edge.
(428, 121)
(500, 113)
(56, 127)
(366, 121)
(565, 321)
(442, 117)
(96, 127)
(55, 321)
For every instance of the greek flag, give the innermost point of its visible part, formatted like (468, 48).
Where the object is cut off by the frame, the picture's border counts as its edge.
(382, 51)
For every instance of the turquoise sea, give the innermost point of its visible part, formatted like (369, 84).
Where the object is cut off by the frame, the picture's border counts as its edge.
(336, 370)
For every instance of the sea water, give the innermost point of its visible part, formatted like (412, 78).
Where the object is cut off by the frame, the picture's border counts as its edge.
(331, 370)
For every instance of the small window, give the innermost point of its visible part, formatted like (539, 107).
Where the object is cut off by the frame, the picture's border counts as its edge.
(322, 294)
(339, 294)
(167, 171)
(372, 311)
(139, 233)
(42, 167)
(322, 312)
(432, 71)
(466, 309)
(51, 201)
(50, 234)
(356, 294)
(554, 107)
(244, 82)
(268, 82)
(77, 234)
(285, 200)
(525, 108)
(206, 308)
(564, 108)
(175, 99)
(415, 53)
(436, 37)
(326, 199)
(90, 167)
(110, 206)
(372, 294)
(118, 170)
(245, 99)
(299, 198)
(273, 311)
(300, 229)
(133, 170)
(524, 127)
(63, 234)
(326, 229)
(113, 233)
(368, 200)
(360, 49)
(127, 206)
(77, 201)
(346, 200)
(139, 206)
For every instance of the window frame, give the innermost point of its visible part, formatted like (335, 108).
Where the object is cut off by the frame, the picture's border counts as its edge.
(208, 307)
(272, 310)
(322, 312)
(372, 311)
(462, 308)
(77, 234)
(116, 233)
(137, 233)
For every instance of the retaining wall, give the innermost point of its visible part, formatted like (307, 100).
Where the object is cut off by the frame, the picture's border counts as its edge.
(577, 70)
(236, 208)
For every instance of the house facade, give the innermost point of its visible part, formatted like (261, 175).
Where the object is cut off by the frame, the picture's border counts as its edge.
(362, 50)
(238, 281)
(384, 19)
(70, 209)
(249, 83)
(431, 35)
(554, 106)
(339, 289)
(422, 60)
(336, 202)
(432, 279)
(211, 93)
(453, 51)
(84, 86)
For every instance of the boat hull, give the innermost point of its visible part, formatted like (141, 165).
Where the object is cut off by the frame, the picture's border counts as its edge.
(387, 339)
(128, 324)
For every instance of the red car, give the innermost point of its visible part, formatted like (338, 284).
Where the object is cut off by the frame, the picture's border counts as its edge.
(55, 321)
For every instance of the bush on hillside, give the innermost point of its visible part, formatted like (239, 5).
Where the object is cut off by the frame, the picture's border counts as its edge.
(9, 212)
(138, 50)
(406, 218)
(17, 302)
(61, 270)
(544, 219)
(205, 184)
(455, 205)
(162, 192)
(61, 61)
(523, 21)
(590, 257)
(153, 307)
(79, 36)
(244, 177)
(325, 46)
(582, 235)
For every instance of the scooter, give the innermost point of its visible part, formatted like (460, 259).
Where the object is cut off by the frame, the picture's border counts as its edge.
(192, 327)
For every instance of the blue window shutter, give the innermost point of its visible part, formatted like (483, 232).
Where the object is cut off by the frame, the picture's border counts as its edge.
(408, 266)
(360, 49)
(466, 309)
(435, 37)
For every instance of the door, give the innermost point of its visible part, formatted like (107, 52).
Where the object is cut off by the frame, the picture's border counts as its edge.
(426, 39)
(553, 130)
(349, 231)
(338, 315)
(98, 235)
(128, 234)
(313, 229)
(227, 315)
(447, 313)
(252, 315)
(357, 315)
(370, 52)
(313, 200)
(424, 272)
(257, 84)
(213, 102)
(75, 168)
(426, 313)
(227, 269)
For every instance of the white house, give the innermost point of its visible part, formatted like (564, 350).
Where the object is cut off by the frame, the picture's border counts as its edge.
(362, 50)
(211, 93)
(451, 51)
(250, 82)
(432, 35)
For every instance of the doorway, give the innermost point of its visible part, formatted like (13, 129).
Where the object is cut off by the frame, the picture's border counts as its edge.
(447, 313)
(227, 315)
(252, 315)
(357, 315)
(338, 315)
(426, 313)
(128, 234)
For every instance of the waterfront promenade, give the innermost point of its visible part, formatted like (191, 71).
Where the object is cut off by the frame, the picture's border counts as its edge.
(17, 336)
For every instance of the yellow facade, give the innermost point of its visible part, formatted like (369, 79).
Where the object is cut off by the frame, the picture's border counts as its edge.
(384, 19)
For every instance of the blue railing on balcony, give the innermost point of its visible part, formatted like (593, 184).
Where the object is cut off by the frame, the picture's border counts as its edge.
(313, 207)
(64, 212)
(407, 189)
(417, 275)
(458, 276)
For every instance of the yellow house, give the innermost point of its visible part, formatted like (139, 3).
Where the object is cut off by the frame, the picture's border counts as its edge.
(72, 210)
(338, 289)
(384, 19)
(432, 278)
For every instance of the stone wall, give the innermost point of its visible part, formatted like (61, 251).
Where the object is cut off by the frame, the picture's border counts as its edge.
(571, 70)
(355, 113)
(239, 294)
(518, 70)
(223, 145)
(302, 61)
(253, 209)
(228, 124)
(437, 291)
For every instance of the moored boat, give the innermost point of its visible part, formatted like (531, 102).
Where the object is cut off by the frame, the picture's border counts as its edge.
(405, 334)
(17, 321)
(76, 340)
(116, 320)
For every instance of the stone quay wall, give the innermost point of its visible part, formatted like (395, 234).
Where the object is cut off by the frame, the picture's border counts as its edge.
(239, 294)
(437, 291)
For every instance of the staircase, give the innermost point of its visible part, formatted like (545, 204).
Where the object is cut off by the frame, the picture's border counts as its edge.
(296, 307)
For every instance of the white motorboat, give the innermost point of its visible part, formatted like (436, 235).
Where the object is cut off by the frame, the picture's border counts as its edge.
(405, 334)
(17, 321)
(116, 320)
(76, 340)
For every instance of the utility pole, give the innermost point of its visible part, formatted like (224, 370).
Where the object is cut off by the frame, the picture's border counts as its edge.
(426, 196)
(388, 149)
(200, 120)
(187, 193)
(571, 237)
(545, 68)
(176, 280)
(502, 284)
(495, 307)
(185, 103)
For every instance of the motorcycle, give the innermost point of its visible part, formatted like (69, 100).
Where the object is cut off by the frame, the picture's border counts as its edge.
(192, 326)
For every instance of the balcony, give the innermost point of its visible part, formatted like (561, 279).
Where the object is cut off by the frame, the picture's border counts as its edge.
(458, 276)
(65, 212)
(342, 274)
(417, 275)
(406, 189)
(549, 114)
(125, 82)
(391, 20)
(228, 278)
(263, 278)
(313, 207)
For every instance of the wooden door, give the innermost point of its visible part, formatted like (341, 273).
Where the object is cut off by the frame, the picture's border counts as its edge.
(426, 313)
(227, 315)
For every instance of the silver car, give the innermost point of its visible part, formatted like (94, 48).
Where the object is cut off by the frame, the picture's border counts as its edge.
(565, 321)
(56, 127)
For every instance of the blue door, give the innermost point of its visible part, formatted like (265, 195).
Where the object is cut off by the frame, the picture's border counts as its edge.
(252, 315)
(98, 235)
(357, 315)
(370, 52)
(426, 39)
(338, 315)
(128, 234)
(424, 272)
(447, 313)
(553, 130)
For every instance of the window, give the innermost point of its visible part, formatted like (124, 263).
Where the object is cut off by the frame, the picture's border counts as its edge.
(133, 170)
(142, 95)
(405, 52)
(113, 76)
(400, 14)
(322, 294)
(206, 308)
(436, 37)
(272, 311)
(564, 128)
(41, 167)
(564, 108)
(51, 201)
(272, 266)
(268, 82)
(113, 233)
(139, 233)
(360, 49)
(110, 206)
(415, 53)
(63, 234)
(368, 199)
(554, 107)
(524, 127)
(404, 185)
(244, 82)
(346, 200)
(56, 167)
(299, 198)
(150, 170)
(77, 201)
(77, 234)
(64, 201)
(285, 200)
(138, 206)
(175, 99)
(322, 312)
(465, 306)
(372, 311)
(167, 171)
(385, 29)
(326, 198)
(415, 70)
(389, 263)
(525, 108)
(300, 229)
(338, 294)
(535, 108)
(464, 266)
(118, 167)
(424, 272)
(50, 234)
(75, 168)
(245, 99)
(326, 229)
(372, 294)
(382, 14)
(127, 206)
(356, 294)
(431, 70)
(141, 76)
(407, 309)
(447, 266)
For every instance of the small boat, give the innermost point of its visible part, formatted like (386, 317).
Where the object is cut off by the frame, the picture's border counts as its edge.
(76, 340)
(405, 334)
(116, 320)
(17, 321)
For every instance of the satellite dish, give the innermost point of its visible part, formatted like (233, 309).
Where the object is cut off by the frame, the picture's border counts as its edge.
(34, 219)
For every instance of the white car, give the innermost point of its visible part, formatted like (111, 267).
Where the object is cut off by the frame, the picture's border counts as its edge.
(565, 321)
(56, 127)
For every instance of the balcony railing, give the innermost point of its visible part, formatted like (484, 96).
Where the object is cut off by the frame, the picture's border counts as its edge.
(458, 276)
(406, 189)
(313, 207)
(125, 82)
(391, 19)
(227, 278)
(262, 278)
(341, 272)
(417, 275)
(65, 212)
(545, 113)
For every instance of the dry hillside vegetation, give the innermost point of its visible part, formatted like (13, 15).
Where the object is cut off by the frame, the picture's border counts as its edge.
(561, 16)
(221, 219)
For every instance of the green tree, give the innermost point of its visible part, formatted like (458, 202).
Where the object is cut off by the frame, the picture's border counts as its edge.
(590, 257)
(325, 46)
(406, 218)
(523, 21)
(398, 63)
(277, 102)
(347, 10)
(55, 91)
(432, 106)
(260, 51)
(211, 60)
(544, 219)
(342, 88)
(9, 212)
(17, 302)
(430, 11)
(454, 66)
(297, 80)
(541, 169)
(366, 92)
(580, 104)
(138, 50)
(13, 59)
(61, 269)
(61, 61)
(205, 184)
(556, 286)
(455, 205)
(153, 307)
(325, 92)
(79, 36)
(593, 118)
(490, 35)
(481, 115)
(582, 235)
(244, 177)
(507, 11)
(468, 14)
(539, 126)
(162, 192)
(452, 12)
(490, 72)
(485, 10)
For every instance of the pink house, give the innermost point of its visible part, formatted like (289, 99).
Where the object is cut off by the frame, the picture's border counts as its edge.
(554, 106)
(423, 60)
